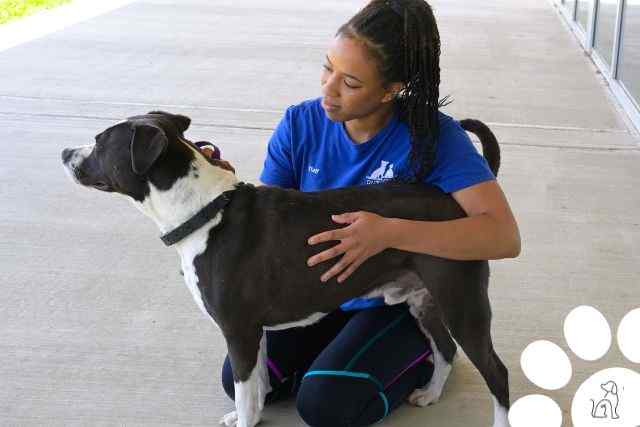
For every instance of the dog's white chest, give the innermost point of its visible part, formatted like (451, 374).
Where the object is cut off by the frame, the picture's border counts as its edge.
(189, 249)
(191, 280)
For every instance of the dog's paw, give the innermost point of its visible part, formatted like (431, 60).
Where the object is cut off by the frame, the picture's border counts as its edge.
(422, 398)
(231, 419)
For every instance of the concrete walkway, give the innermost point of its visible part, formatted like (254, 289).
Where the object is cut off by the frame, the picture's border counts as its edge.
(96, 327)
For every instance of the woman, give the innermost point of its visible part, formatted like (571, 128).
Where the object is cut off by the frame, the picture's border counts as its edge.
(378, 119)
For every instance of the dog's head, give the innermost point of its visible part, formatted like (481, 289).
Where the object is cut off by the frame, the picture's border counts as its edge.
(129, 156)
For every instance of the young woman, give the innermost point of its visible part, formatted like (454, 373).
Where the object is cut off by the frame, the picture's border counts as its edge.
(378, 119)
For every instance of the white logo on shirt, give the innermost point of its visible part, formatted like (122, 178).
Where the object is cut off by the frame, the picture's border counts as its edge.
(383, 173)
(314, 170)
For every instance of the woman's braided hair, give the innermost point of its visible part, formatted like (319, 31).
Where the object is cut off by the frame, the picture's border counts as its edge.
(402, 36)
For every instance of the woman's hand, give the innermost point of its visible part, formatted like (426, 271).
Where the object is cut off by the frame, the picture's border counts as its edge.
(214, 156)
(365, 236)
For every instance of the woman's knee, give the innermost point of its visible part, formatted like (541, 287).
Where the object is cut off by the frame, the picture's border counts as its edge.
(339, 401)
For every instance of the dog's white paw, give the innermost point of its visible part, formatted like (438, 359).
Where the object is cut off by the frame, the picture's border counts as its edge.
(231, 419)
(422, 398)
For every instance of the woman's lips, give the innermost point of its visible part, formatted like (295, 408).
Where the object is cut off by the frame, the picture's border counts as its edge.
(329, 107)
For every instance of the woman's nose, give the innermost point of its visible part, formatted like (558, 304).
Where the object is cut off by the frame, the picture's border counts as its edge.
(329, 87)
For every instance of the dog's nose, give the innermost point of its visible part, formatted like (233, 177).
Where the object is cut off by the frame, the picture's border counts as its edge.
(66, 155)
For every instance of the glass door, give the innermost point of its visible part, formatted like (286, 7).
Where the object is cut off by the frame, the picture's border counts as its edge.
(629, 66)
(605, 29)
(582, 13)
(570, 7)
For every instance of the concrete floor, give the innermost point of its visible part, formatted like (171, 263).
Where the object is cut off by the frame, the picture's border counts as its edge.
(96, 326)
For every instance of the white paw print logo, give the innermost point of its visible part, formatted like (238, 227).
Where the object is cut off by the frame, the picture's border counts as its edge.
(610, 397)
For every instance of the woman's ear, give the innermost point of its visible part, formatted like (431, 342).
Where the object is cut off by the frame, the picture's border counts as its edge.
(392, 91)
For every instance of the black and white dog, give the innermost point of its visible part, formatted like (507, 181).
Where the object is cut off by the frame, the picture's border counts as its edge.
(244, 250)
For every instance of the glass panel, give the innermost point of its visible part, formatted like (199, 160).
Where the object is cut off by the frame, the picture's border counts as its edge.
(605, 29)
(629, 68)
(582, 14)
(569, 5)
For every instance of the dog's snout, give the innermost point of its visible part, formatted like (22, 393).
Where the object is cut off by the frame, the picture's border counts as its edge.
(66, 155)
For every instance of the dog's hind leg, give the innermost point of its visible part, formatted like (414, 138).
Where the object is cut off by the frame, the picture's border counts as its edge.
(474, 337)
(248, 357)
(470, 325)
(410, 288)
(444, 351)
(460, 292)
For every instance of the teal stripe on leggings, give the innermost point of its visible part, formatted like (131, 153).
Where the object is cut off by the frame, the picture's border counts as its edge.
(362, 375)
(386, 405)
(374, 339)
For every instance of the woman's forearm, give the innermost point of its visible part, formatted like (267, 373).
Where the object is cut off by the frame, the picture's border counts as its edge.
(471, 238)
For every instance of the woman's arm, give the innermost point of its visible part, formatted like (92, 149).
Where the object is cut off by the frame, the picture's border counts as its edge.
(489, 232)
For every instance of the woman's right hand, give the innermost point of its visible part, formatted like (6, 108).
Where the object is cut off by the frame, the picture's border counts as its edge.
(218, 162)
(213, 154)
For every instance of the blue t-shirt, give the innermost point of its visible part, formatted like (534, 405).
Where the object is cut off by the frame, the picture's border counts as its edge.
(309, 152)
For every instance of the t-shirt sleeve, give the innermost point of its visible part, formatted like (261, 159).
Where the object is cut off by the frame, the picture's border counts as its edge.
(278, 166)
(458, 164)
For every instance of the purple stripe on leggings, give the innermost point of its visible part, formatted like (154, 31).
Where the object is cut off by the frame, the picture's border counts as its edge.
(275, 369)
(414, 363)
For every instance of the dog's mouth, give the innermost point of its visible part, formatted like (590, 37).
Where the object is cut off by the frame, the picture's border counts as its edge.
(84, 179)
(102, 186)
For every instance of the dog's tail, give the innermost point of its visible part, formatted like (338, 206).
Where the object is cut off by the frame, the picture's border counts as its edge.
(490, 147)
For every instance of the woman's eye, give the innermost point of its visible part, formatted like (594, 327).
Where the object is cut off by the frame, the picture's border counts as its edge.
(328, 69)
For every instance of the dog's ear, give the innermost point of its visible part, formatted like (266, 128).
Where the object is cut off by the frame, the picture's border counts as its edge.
(147, 144)
(181, 122)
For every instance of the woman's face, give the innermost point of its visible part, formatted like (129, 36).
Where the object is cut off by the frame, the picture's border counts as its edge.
(351, 85)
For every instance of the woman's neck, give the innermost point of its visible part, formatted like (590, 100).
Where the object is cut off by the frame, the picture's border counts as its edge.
(364, 128)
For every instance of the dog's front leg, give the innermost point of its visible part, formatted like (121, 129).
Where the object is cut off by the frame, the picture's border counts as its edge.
(250, 378)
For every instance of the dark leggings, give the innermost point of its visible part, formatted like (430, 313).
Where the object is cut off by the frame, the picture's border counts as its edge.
(349, 369)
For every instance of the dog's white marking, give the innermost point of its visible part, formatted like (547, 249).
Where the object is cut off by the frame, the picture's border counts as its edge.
(315, 317)
(250, 395)
(189, 193)
(263, 371)
(79, 154)
(189, 250)
(500, 414)
(432, 392)
(230, 419)
(247, 401)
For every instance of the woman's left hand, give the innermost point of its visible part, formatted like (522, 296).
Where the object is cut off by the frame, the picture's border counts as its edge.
(365, 236)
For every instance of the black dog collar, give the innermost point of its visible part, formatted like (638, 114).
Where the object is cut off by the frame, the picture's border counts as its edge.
(198, 220)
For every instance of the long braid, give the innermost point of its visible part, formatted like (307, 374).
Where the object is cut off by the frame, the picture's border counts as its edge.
(414, 60)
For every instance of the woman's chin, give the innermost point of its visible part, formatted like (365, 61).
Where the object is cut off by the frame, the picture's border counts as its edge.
(334, 116)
